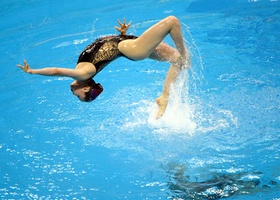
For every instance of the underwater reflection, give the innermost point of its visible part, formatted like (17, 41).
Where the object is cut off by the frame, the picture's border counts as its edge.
(184, 185)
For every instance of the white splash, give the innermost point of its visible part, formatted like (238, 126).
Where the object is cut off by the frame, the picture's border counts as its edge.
(178, 117)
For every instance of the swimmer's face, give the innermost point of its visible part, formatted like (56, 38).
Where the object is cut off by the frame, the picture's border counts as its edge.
(79, 89)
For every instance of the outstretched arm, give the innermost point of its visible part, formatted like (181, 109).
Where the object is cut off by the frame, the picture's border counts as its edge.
(86, 71)
(123, 26)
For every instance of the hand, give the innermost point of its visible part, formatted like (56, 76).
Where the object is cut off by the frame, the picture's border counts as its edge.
(25, 67)
(123, 26)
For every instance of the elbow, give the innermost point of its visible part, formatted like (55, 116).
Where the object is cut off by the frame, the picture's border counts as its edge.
(55, 72)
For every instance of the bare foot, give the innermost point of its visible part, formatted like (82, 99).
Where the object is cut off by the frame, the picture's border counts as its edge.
(162, 104)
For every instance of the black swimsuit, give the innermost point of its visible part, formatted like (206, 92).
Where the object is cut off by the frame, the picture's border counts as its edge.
(104, 50)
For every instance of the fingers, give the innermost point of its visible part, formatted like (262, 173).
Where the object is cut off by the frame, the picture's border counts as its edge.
(117, 28)
(119, 22)
(128, 25)
(123, 26)
(23, 67)
(20, 66)
(124, 22)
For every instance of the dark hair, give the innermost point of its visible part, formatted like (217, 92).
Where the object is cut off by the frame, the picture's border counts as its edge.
(95, 90)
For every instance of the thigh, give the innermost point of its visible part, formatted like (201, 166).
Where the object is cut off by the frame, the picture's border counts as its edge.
(146, 43)
(131, 50)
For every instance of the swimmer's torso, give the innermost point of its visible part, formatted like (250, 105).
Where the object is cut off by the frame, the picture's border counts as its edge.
(104, 50)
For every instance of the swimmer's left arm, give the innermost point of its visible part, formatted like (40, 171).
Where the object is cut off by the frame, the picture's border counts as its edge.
(123, 26)
(78, 74)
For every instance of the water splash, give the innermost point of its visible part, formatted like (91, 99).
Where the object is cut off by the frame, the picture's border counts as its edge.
(185, 114)
(178, 117)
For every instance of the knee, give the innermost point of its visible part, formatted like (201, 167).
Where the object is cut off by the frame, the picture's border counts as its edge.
(180, 62)
(176, 59)
(174, 20)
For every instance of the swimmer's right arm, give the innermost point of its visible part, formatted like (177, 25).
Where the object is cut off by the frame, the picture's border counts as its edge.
(82, 74)
(123, 26)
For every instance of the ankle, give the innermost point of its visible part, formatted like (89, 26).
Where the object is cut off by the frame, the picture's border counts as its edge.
(162, 100)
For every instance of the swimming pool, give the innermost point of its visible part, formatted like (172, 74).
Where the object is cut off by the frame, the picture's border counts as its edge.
(219, 136)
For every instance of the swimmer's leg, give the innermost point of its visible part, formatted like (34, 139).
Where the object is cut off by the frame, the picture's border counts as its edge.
(166, 53)
(162, 101)
(142, 47)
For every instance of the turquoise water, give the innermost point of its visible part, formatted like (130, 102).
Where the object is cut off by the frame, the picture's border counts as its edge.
(218, 139)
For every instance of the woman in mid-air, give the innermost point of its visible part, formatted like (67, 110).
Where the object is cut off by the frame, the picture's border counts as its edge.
(106, 49)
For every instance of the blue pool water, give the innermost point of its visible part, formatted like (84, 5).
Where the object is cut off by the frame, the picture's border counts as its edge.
(218, 139)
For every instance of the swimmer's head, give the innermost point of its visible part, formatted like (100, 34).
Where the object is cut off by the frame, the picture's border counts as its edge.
(86, 91)
(95, 90)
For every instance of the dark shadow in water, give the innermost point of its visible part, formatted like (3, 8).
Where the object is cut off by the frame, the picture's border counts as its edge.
(219, 185)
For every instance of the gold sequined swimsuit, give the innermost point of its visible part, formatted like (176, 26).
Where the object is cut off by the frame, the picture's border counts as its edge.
(103, 51)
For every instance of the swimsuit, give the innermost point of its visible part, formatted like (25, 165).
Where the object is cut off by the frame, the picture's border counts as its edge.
(103, 51)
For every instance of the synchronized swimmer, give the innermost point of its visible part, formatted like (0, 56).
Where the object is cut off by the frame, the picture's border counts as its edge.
(106, 49)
